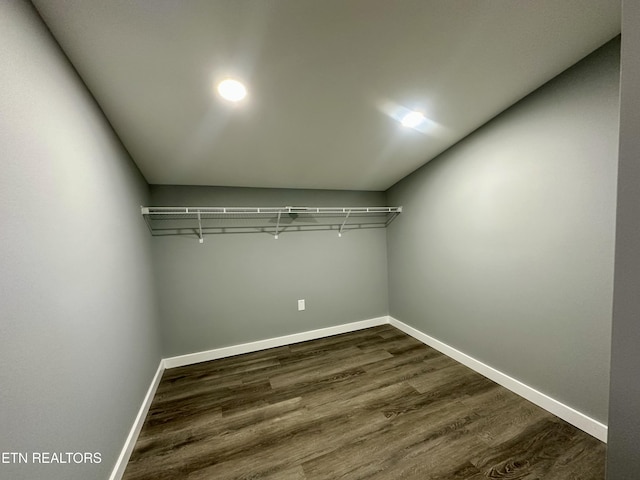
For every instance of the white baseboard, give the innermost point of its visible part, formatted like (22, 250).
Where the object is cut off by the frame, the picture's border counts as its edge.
(125, 454)
(217, 353)
(568, 414)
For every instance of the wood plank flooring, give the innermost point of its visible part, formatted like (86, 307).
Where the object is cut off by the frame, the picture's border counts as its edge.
(372, 404)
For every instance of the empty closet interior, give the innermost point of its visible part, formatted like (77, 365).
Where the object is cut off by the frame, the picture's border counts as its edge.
(462, 198)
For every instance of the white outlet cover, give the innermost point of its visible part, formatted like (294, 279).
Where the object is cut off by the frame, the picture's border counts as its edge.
(301, 305)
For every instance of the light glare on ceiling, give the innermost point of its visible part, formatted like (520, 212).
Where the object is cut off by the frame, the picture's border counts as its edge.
(232, 90)
(413, 119)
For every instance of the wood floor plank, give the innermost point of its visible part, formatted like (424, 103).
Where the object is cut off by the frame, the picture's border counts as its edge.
(374, 404)
(328, 368)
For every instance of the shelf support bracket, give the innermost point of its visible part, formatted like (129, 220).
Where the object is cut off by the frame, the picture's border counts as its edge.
(343, 223)
(201, 238)
(278, 225)
(145, 215)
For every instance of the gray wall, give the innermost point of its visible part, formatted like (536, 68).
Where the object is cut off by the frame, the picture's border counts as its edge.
(623, 460)
(78, 338)
(505, 249)
(237, 288)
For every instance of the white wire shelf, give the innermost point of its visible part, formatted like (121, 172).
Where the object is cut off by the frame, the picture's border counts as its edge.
(201, 221)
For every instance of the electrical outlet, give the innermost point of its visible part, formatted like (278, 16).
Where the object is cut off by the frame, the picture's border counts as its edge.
(301, 305)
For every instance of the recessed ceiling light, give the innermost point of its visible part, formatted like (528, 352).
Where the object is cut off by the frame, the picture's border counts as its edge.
(232, 90)
(412, 119)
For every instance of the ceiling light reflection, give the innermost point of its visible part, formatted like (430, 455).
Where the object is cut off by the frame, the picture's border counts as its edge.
(413, 119)
(232, 90)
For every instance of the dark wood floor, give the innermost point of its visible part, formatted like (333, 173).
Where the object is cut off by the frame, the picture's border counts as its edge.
(374, 404)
